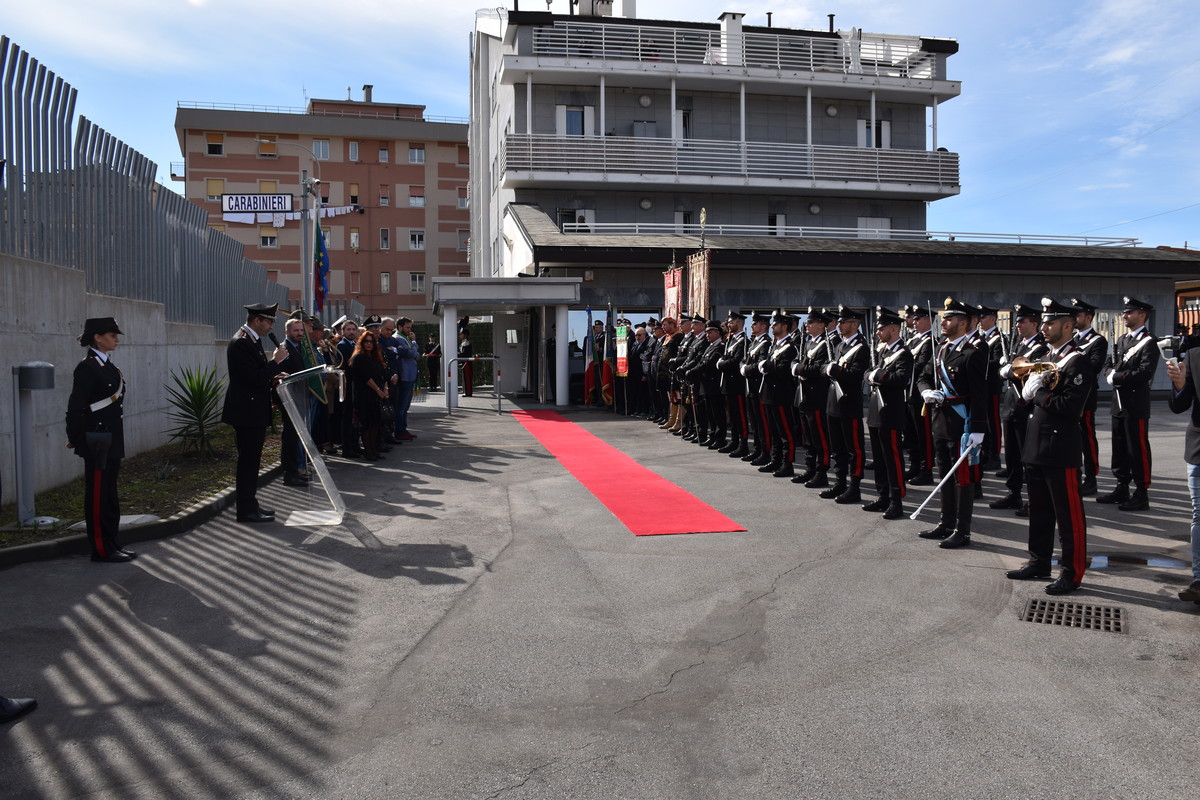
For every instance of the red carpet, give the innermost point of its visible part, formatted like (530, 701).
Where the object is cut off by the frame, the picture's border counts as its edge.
(644, 501)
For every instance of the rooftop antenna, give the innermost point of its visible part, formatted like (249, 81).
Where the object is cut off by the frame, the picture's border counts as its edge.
(831, 16)
(348, 97)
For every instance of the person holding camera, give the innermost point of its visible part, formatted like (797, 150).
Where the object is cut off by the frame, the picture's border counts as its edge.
(96, 433)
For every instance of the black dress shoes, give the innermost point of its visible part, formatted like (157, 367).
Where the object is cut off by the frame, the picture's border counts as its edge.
(1191, 593)
(895, 510)
(940, 532)
(741, 452)
(15, 707)
(850, 496)
(1029, 572)
(786, 470)
(295, 480)
(1010, 500)
(1117, 495)
(1138, 501)
(1061, 586)
(1088, 487)
(818, 481)
(955, 540)
(116, 557)
(257, 516)
(880, 504)
(1003, 473)
(1023, 511)
(762, 461)
(270, 512)
(924, 478)
(833, 491)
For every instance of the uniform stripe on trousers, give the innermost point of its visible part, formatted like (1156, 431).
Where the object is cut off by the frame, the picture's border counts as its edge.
(899, 461)
(1078, 522)
(97, 520)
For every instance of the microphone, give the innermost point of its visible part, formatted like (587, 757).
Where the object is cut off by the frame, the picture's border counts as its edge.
(274, 341)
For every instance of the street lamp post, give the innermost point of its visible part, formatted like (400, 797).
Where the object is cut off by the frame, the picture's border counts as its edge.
(306, 251)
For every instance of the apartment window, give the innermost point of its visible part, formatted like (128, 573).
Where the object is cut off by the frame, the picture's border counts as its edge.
(354, 194)
(416, 196)
(683, 219)
(416, 240)
(354, 239)
(385, 283)
(464, 239)
(582, 218)
(416, 154)
(874, 227)
(325, 233)
(882, 133)
(385, 195)
(320, 149)
(266, 146)
(214, 144)
(214, 188)
(464, 155)
(323, 192)
(353, 151)
(416, 282)
(384, 155)
(267, 236)
(355, 283)
(464, 199)
(683, 123)
(385, 239)
(268, 187)
(776, 223)
(574, 120)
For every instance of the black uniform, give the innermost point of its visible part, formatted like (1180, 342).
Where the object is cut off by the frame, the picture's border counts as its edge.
(1095, 348)
(887, 414)
(465, 352)
(918, 434)
(733, 387)
(248, 410)
(756, 351)
(777, 394)
(97, 434)
(812, 395)
(844, 405)
(1016, 415)
(705, 378)
(993, 345)
(959, 370)
(1131, 365)
(1052, 452)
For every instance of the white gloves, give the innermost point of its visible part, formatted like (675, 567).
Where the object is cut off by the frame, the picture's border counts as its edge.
(975, 441)
(1004, 361)
(1032, 384)
(1109, 376)
(1006, 371)
(933, 397)
(746, 369)
(762, 366)
(825, 370)
(873, 375)
(796, 370)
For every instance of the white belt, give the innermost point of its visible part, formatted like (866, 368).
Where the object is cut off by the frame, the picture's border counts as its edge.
(108, 401)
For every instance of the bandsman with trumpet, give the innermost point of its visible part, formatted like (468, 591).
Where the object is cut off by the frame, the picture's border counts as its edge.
(1030, 347)
(1056, 390)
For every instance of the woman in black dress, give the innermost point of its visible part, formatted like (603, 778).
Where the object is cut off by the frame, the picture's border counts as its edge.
(369, 377)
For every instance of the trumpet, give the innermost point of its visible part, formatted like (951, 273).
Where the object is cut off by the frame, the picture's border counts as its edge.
(1022, 368)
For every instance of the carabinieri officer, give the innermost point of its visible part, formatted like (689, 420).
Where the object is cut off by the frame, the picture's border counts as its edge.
(96, 432)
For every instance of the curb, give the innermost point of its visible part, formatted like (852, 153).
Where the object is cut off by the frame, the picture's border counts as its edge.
(77, 544)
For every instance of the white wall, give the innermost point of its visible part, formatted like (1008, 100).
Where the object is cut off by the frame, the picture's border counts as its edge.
(43, 312)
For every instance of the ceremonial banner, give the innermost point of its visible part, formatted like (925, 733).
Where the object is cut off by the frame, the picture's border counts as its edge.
(697, 299)
(672, 292)
(622, 351)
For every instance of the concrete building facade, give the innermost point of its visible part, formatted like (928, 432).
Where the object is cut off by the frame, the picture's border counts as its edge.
(392, 191)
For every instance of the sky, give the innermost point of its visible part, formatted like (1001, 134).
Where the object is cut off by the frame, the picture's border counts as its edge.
(1076, 117)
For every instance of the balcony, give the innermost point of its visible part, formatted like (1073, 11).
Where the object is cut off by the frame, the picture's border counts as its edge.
(619, 162)
(868, 54)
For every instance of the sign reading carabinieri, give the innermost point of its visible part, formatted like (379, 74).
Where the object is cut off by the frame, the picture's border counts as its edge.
(235, 203)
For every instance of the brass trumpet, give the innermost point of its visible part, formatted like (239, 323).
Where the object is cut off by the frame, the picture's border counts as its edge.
(1022, 368)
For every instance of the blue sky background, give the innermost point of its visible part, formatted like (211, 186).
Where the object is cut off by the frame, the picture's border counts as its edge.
(1076, 117)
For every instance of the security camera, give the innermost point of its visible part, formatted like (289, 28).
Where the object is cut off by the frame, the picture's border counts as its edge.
(315, 181)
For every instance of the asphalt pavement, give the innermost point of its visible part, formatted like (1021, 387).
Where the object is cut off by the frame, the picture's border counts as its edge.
(481, 627)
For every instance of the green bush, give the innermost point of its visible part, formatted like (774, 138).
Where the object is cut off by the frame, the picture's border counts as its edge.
(196, 398)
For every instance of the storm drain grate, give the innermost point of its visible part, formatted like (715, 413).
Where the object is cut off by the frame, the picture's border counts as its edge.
(1075, 615)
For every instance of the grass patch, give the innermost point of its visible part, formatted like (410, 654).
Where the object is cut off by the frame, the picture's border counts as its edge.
(161, 482)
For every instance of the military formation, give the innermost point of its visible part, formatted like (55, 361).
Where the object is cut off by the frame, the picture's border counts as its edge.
(801, 396)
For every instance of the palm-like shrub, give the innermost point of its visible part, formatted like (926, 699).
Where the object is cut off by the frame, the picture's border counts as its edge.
(196, 401)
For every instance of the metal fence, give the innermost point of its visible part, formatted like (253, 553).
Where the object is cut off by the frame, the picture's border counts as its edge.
(75, 196)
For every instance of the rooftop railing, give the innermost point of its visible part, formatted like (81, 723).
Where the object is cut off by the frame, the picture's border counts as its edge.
(818, 232)
(365, 113)
(889, 56)
(704, 157)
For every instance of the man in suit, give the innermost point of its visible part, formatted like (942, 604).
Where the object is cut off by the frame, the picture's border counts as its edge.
(433, 361)
(97, 435)
(465, 353)
(1032, 346)
(918, 434)
(733, 387)
(778, 393)
(1095, 347)
(1185, 376)
(844, 406)
(291, 454)
(348, 336)
(1053, 452)
(954, 387)
(887, 413)
(1130, 370)
(248, 404)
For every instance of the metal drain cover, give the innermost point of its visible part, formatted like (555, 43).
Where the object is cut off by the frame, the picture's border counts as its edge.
(1075, 615)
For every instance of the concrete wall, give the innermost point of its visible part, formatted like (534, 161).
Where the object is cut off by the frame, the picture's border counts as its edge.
(43, 312)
